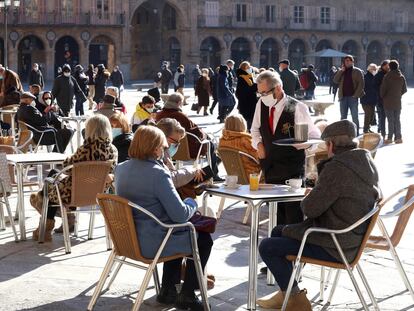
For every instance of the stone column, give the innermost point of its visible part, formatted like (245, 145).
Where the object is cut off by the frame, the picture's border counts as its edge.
(409, 71)
(49, 72)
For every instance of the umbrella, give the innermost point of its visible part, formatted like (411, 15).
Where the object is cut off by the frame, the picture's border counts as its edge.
(327, 53)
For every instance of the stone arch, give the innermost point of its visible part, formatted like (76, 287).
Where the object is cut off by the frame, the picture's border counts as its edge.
(269, 53)
(296, 54)
(31, 49)
(210, 52)
(324, 64)
(174, 52)
(66, 52)
(240, 50)
(351, 47)
(102, 51)
(399, 53)
(375, 52)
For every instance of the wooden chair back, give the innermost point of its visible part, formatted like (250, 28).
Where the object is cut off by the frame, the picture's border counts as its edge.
(24, 142)
(6, 149)
(233, 164)
(371, 142)
(88, 179)
(183, 152)
(4, 175)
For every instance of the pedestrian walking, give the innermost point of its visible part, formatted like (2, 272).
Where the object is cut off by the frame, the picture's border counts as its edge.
(232, 78)
(196, 75)
(290, 79)
(333, 87)
(312, 79)
(82, 81)
(90, 73)
(117, 79)
(166, 76)
(246, 92)
(179, 79)
(393, 87)
(369, 100)
(101, 79)
(384, 69)
(350, 80)
(36, 76)
(213, 86)
(224, 94)
(203, 91)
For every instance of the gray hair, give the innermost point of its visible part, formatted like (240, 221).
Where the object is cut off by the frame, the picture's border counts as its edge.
(98, 126)
(342, 143)
(170, 126)
(113, 88)
(271, 78)
(176, 98)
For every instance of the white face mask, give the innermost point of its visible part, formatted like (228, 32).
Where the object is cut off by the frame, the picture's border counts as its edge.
(268, 100)
(66, 74)
(250, 70)
(280, 69)
(48, 102)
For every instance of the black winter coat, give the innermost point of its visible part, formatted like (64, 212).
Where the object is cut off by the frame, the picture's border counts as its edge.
(32, 116)
(246, 94)
(122, 143)
(117, 78)
(36, 77)
(371, 93)
(64, 88)
(100, 85)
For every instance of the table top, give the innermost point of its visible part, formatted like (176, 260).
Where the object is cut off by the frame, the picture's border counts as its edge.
(299, 145)
(243, 192)
(36, 158)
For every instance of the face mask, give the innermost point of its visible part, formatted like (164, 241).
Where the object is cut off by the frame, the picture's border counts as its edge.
(116, 132)
(36, 69)
(268, 100)
(48, 102)
(280, 69)
(1, 77)
(172, 150)
(66, 74)
(150, 110)
(250, 70)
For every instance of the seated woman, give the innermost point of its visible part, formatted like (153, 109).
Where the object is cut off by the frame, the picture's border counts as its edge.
(157, 194)
(235, 137)
(121, 135)
(96, 147)
(114, 91)
(143, 112)
(184, 179)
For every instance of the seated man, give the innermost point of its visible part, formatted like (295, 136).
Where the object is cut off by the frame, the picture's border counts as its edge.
(344, 193)
(172, 109)
(107, 107)
(29, 114)
(114, 91)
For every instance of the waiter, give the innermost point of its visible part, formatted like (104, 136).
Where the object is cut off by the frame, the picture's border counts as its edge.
(275, 118)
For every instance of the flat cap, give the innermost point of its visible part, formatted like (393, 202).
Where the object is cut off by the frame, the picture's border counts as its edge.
(339, 128)
(109, 99)
(284, 61)
(27, 95)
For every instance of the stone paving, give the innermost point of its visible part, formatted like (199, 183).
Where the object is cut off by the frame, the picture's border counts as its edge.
(42, 277)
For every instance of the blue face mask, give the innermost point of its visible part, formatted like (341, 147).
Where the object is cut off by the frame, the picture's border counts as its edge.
(116, 132)
(172, 149)
(1, 77)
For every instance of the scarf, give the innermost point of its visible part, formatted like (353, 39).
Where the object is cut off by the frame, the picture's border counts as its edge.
(248, 78)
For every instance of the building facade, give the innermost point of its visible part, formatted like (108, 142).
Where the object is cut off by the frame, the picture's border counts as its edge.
(138, 35)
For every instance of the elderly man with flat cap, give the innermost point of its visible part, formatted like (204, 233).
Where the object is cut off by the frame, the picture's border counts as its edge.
(290, 79)
(343, 194)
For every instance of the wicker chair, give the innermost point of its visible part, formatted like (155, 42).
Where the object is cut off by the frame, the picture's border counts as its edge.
(26, 127)
(233, 164)
(371, 142)
(88, 179)
(25, 141)
(372, 216)
(387, 242)
(5, 191)
(118, 218)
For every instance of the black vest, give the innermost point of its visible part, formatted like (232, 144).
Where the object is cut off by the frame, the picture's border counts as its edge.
(282, 162)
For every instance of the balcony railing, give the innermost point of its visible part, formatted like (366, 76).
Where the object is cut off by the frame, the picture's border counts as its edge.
(59, 18)
(308, 24)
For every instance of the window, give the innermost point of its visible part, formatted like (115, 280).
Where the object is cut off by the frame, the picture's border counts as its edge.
(270, 13)
(30, 8)
(325, 15)
(211, 11)
(299, 14)
(241, 14)
(399, 19)
(102, 7)
(67, 8)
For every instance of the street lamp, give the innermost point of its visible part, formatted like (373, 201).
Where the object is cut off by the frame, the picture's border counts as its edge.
(5, 6)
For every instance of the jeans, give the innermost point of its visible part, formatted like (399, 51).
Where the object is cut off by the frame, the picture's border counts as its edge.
(369, 111)
(165, 87)
(172, 269)
(381, 119)
(394, 124)
(274, 250)
(350, 103)
(79, 106)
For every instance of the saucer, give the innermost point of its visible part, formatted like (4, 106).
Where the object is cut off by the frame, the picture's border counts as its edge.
(236, 186)
(291, 189)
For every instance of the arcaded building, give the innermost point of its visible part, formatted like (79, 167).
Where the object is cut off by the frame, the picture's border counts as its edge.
(138, 35)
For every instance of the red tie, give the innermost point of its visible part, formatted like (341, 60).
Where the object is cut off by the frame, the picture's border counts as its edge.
(272, 112)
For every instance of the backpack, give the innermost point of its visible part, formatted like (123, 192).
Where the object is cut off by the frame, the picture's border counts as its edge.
(304, 82)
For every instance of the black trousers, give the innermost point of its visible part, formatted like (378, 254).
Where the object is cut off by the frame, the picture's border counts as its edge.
(172, 269)
(289, 213)
(164, 88)
(63, 137)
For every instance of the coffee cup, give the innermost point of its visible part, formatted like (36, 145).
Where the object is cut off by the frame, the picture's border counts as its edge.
(301, 132)
(294, 183)
(231, 180)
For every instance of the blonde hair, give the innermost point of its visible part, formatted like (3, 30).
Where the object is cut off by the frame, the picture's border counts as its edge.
(120, 120)
(372, 66)
(98, 126)
(235, 123)
(146, 140)
(244, 65)
(170, 126)
(205, 70)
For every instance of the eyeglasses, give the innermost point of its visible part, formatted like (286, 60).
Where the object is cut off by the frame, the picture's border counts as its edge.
(265, 93)
(174, 140)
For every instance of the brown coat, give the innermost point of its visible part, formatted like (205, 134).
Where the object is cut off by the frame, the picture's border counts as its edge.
(203, 91)
(357, 79)
(241, 142)
(393, 87)
(10, 82)
(187, 124)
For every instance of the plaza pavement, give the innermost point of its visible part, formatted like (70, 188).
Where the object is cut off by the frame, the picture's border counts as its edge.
(41, 277)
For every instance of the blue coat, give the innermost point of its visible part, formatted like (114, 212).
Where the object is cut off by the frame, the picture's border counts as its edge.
(371, 91)
(149, 184)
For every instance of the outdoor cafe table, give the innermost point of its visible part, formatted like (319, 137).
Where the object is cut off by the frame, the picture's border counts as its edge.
(12, 113)
(255, 200)
(20, 161)
(78, 120)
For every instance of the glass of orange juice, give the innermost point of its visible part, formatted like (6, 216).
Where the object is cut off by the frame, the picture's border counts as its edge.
(254, 182)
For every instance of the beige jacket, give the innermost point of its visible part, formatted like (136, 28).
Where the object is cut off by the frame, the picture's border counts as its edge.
(357, 79)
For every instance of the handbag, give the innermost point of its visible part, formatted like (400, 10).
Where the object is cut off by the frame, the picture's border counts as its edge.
(194, 107)
(203, 223)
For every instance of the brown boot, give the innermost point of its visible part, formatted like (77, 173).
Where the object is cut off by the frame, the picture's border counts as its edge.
(36, 199)
(272, 301)
(71, 223)
(299, 302)
(50, 224)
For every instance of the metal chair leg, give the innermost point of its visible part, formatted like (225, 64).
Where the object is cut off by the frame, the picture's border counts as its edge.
(91, 226)
(76, 226)
(101, 282)
(156, 280)
(2, 219)
(334, 285)
(143, 287)
(368, 288)
(322, 284)
(43, 217)
(247, 214)
(118, 267)
(9, 212)
(65, 226)
(221, 207)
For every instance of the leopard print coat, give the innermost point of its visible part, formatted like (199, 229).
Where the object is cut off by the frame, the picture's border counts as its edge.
(92, 150)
